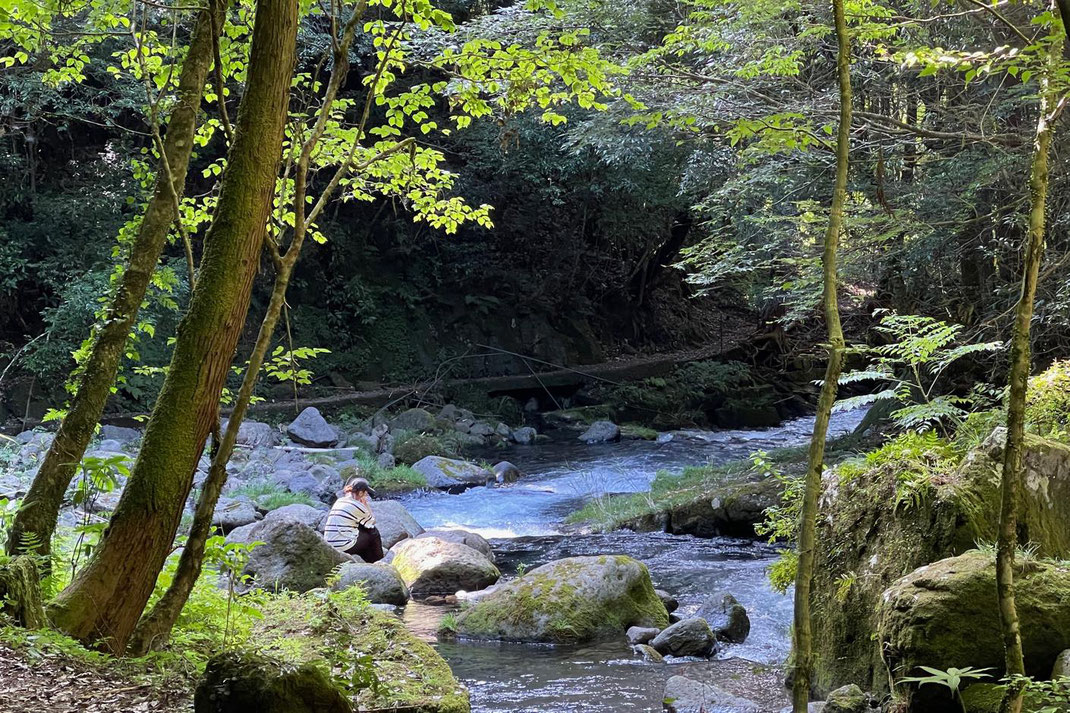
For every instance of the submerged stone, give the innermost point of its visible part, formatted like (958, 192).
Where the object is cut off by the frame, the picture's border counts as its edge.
(684, 695)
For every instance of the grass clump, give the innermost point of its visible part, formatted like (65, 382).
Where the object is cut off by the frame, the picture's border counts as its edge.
(269, 496)
(399, 479)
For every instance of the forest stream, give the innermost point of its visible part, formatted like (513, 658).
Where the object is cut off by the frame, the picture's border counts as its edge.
(524, 523)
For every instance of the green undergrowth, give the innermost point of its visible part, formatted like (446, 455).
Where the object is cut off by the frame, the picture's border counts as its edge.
(399, 479)
(268, 496)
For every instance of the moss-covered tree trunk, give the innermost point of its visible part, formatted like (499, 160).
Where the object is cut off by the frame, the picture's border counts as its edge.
(1018, 378)
(155, 627)
(106, 599)
(20, 593)
(35, 521)
(803, 644)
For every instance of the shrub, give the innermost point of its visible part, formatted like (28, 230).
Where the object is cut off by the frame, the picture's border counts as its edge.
(1048, 403)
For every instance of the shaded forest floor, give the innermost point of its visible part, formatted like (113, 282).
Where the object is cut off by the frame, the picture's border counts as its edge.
(31, 680)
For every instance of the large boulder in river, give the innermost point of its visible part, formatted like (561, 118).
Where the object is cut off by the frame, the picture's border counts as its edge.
(394, 522)
(474, 540)
(311, 429)
(569, 601)
(601, 432)
(237, 682)
(945, 614)
(687, 637)
(293, 557)
(452, 474)
(910, 504)
(684, 695)
(381, 582)
(430, 565)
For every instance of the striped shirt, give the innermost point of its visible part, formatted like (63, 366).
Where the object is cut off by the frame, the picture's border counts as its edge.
(344, 521)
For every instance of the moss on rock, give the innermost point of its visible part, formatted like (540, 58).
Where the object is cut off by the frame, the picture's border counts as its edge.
(944, 614)
(906, 505)
(341, 633)
(570, 601)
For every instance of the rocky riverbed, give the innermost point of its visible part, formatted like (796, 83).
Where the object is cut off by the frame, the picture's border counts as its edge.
(495, 519)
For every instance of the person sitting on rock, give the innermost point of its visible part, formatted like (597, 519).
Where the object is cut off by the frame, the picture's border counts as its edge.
(351, 525)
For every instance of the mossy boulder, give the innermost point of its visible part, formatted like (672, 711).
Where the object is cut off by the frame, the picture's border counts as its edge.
(386, 667)
(729, 509)
(237, 682)
(913, 502)
(945, 614)
(293, 556)
(569, 601)
(452, 475)
(432, 565)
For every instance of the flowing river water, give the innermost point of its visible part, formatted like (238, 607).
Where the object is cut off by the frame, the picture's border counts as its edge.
(524, 525)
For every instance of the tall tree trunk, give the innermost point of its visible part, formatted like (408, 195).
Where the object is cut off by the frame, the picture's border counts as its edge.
(1018, 378)
(154, 629)
(103, 603)
(35, 521)
(815, 464)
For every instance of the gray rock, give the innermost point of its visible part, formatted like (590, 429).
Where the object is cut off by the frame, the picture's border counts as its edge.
(531, 405)
(727, 617)
(481, 429)
(1061, 669)
(450, 412)
(506, 472)
(242, 535)
(230, 514)
(601, 432)
(451, 474)
(381, 582)
(394, 522)
(304, 483)
(110, 445)
(255, 434)
(668, 600)
(311, 429)
(503, 431)
(364, 441)
(664, 437)
(434, 566)
(689, 637)
(330, 481)
(524, 436)
(464, 537)
(648, 653)
(642, 634)
(684, 695)
(293, 557)
(464, 425)
(811, 707)
(414, 419)
(119, 433)
(304, 514)
(386, 461)
(847, 699)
